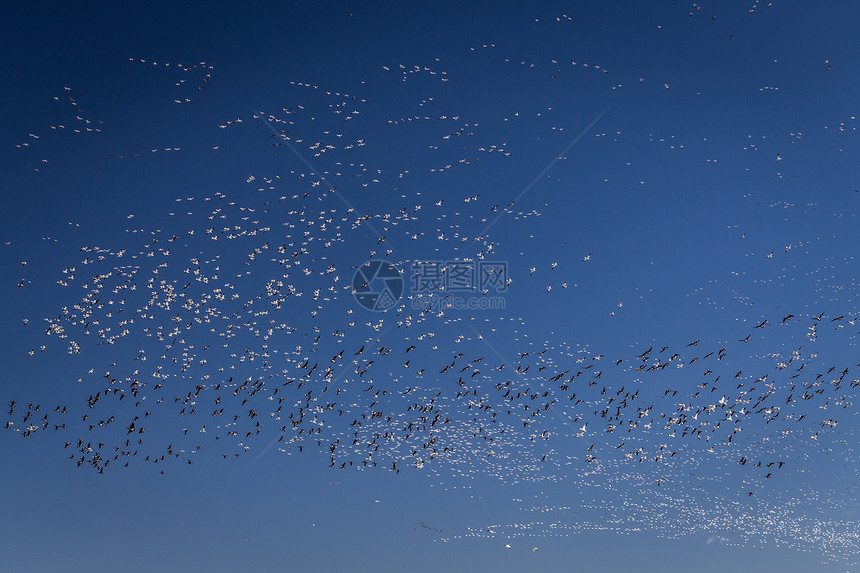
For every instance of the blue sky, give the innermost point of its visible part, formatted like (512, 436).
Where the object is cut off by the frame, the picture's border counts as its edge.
(188, 191)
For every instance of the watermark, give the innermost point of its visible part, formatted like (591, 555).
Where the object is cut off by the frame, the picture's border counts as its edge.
(437, 285)
(377, 285)
(459, 277)
(438, 302)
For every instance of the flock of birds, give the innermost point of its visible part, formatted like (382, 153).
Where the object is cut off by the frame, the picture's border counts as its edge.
(233, 332)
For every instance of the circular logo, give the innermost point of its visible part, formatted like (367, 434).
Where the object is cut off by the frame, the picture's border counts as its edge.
(377, 285)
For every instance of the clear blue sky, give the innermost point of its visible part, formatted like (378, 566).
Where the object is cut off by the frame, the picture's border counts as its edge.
(188, 191)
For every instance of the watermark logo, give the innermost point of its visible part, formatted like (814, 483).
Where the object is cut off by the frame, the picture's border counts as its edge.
(434, 285)
(377, 285)
(460, 277)
(459, 285)
(438, 302)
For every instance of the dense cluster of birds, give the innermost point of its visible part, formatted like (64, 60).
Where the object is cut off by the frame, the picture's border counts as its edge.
(234, 332)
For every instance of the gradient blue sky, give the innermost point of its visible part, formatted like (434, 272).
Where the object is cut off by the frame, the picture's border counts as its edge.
(716, 189)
